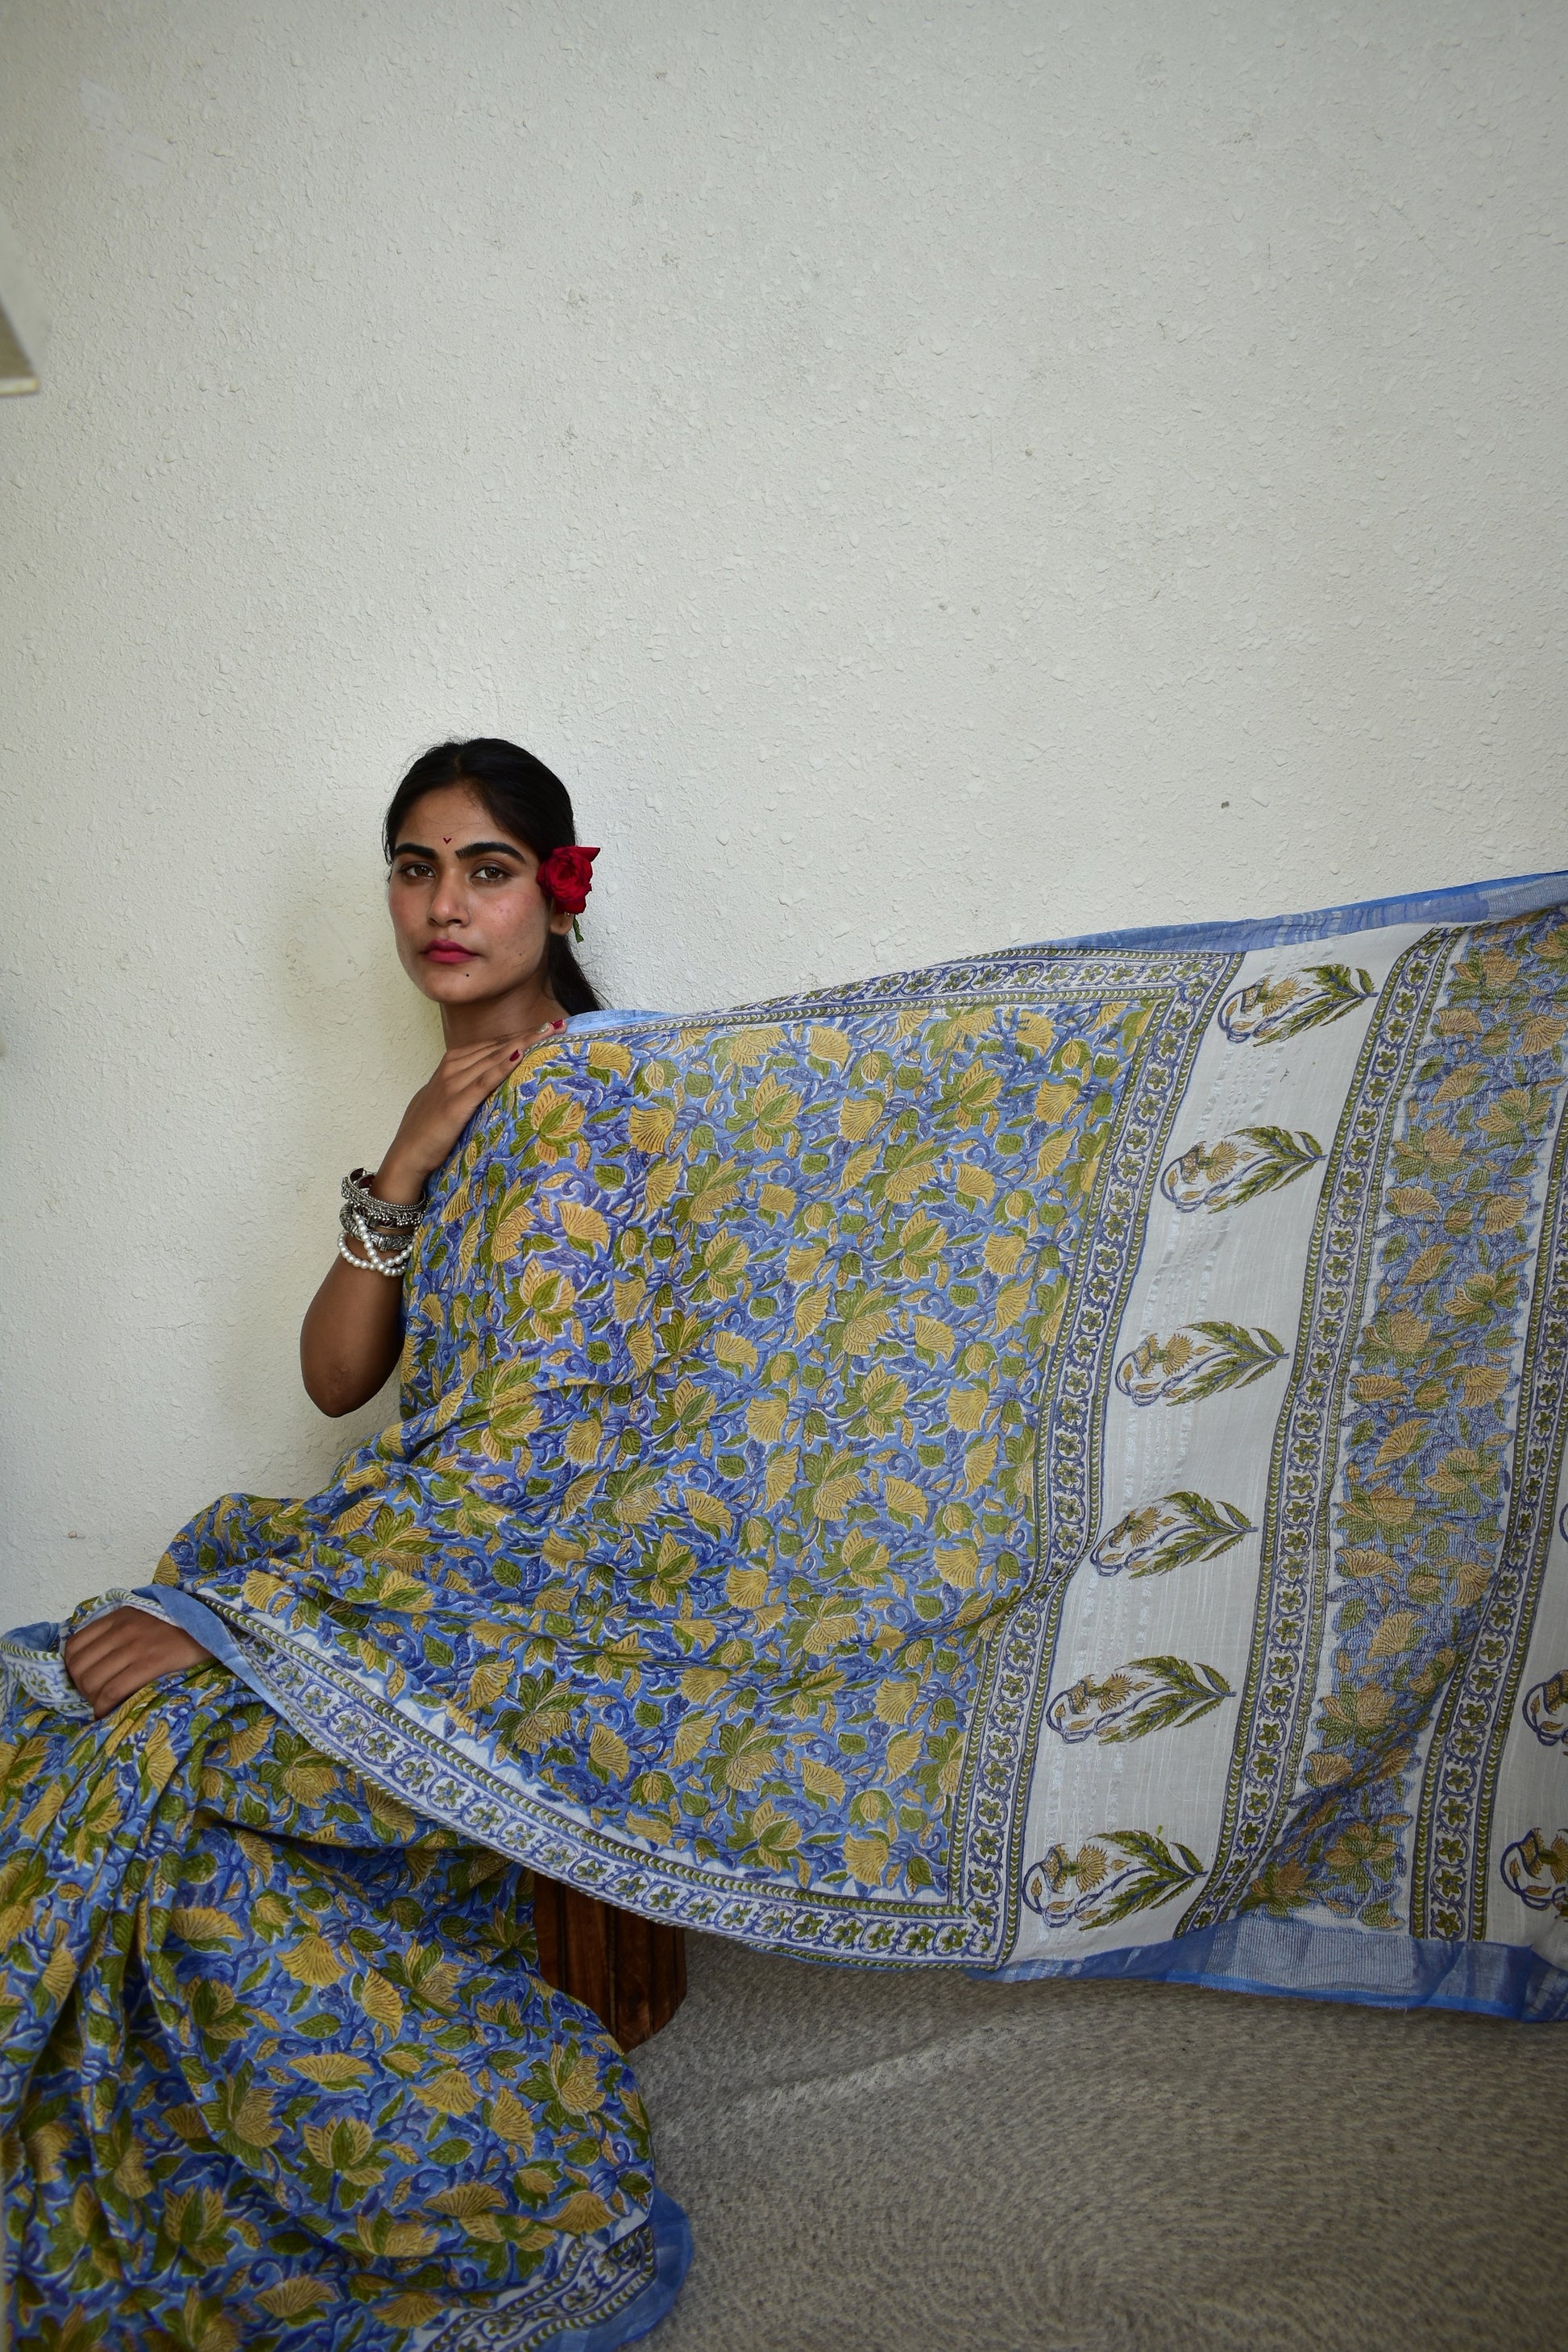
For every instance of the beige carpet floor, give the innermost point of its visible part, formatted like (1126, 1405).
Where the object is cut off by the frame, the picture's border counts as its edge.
(915, 2163)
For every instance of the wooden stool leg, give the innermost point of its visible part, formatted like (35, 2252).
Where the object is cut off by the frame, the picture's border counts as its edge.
(630, 1971)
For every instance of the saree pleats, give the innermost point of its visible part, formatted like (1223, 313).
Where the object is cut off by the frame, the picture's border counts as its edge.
(278, 2065)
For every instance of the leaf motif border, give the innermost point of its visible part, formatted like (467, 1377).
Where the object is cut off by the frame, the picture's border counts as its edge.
(1275, 1710)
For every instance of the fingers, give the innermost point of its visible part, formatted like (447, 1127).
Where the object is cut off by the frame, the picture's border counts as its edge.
(466, 1062)
(119, 1652)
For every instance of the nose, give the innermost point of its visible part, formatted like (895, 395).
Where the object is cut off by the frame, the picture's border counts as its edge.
(448, 901)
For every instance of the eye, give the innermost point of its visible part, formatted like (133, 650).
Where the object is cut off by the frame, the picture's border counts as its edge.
(492, 872)
(411, 869)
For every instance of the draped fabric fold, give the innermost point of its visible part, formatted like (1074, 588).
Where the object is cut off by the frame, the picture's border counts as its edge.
(1047, 1464)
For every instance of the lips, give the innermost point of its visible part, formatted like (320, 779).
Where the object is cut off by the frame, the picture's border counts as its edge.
(448, 952)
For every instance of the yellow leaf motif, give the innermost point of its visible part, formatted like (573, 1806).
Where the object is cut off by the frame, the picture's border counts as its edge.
(709, 1511)
(966, 1407)
(650, 1126)
(978, 1464)
(609, 1750)
(44, 2149)
(44, 1812)
(780, 1477)
(310, 1778)
(582, 2214)
(958, 1564)
(1003, 1252)
(294, 2298)
(662, 1183)
(746, 1588)
(583, 1224)
(313, 1961)
(1011, 1301)
(247, 2118)
(895, 1699)
(158, 1757)
(904, 1500)
(488, 1681)
(766, 1417)
(605, 1054)
(776, 1201)
(691, 1737)
(335, 2069)
(451, 2092)
(511, 2120)
(857, 1115)
(197, 1922)
(1400, 1631)
(934, 1337)
(576, 2079)
(392, 1819)
(973, 1183)
(825, 1784)
(409, 2309)
(402, 2240)
(469, 2201)
(902, 1753)
(584, 1440)
(865, 1859)
(1402, 1440)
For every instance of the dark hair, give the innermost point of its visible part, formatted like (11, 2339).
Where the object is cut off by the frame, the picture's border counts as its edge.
(527, 801)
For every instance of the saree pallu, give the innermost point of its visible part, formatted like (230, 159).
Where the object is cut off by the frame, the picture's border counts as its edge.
(1047, 1466)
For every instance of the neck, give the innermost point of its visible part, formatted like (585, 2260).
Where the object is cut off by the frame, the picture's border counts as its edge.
(517, 1014)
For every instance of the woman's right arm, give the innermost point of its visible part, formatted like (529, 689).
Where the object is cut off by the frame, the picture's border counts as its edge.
(352, 1332)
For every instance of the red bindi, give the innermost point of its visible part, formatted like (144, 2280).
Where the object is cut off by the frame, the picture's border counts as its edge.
(448, 839)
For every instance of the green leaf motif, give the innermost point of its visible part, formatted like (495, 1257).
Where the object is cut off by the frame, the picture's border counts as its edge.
(1110, 1876)
(1271, 1010)
(1254, 1160)
(1176, 1530)
(1147, 1694)
(1198, 1360)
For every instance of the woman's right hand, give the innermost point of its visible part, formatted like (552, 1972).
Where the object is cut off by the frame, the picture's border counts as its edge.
(442, 1108)
(353, 1328)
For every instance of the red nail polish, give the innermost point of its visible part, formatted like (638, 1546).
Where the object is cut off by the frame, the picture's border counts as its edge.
(514, 1057)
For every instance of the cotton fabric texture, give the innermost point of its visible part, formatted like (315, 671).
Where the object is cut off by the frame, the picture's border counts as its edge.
(1046, 1465)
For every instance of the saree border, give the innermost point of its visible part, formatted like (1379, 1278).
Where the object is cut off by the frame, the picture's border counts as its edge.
(1464, 1764)
(1005, 1734)
(1274, 1717)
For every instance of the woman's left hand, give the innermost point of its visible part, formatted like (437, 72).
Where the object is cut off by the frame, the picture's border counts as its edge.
(123, 1649)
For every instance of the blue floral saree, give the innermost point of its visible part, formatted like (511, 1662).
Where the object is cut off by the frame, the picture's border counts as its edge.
(1046, 1465)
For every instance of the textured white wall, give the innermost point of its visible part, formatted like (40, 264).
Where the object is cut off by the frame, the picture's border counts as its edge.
(927, 474)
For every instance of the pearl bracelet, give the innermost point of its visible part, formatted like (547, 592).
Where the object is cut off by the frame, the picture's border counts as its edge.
(377, 1259)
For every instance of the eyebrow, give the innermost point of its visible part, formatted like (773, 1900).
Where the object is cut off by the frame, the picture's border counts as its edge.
(469, 849)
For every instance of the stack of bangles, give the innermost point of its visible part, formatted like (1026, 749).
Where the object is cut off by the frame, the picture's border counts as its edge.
(386, 1231)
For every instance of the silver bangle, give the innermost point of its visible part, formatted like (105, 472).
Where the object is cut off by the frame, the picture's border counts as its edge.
(359, 1197)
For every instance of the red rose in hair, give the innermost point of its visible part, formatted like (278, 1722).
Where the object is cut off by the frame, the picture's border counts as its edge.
(567, 873)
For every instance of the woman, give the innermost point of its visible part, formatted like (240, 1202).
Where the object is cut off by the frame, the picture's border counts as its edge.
(790, 1399)
(278, 2062)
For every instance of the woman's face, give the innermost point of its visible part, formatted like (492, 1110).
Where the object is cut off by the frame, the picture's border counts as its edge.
(471, 921)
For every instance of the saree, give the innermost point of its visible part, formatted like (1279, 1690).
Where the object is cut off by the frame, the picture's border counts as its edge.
(1046, 1465)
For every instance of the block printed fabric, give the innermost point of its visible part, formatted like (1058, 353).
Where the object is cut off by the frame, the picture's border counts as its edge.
(1048, 1464)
